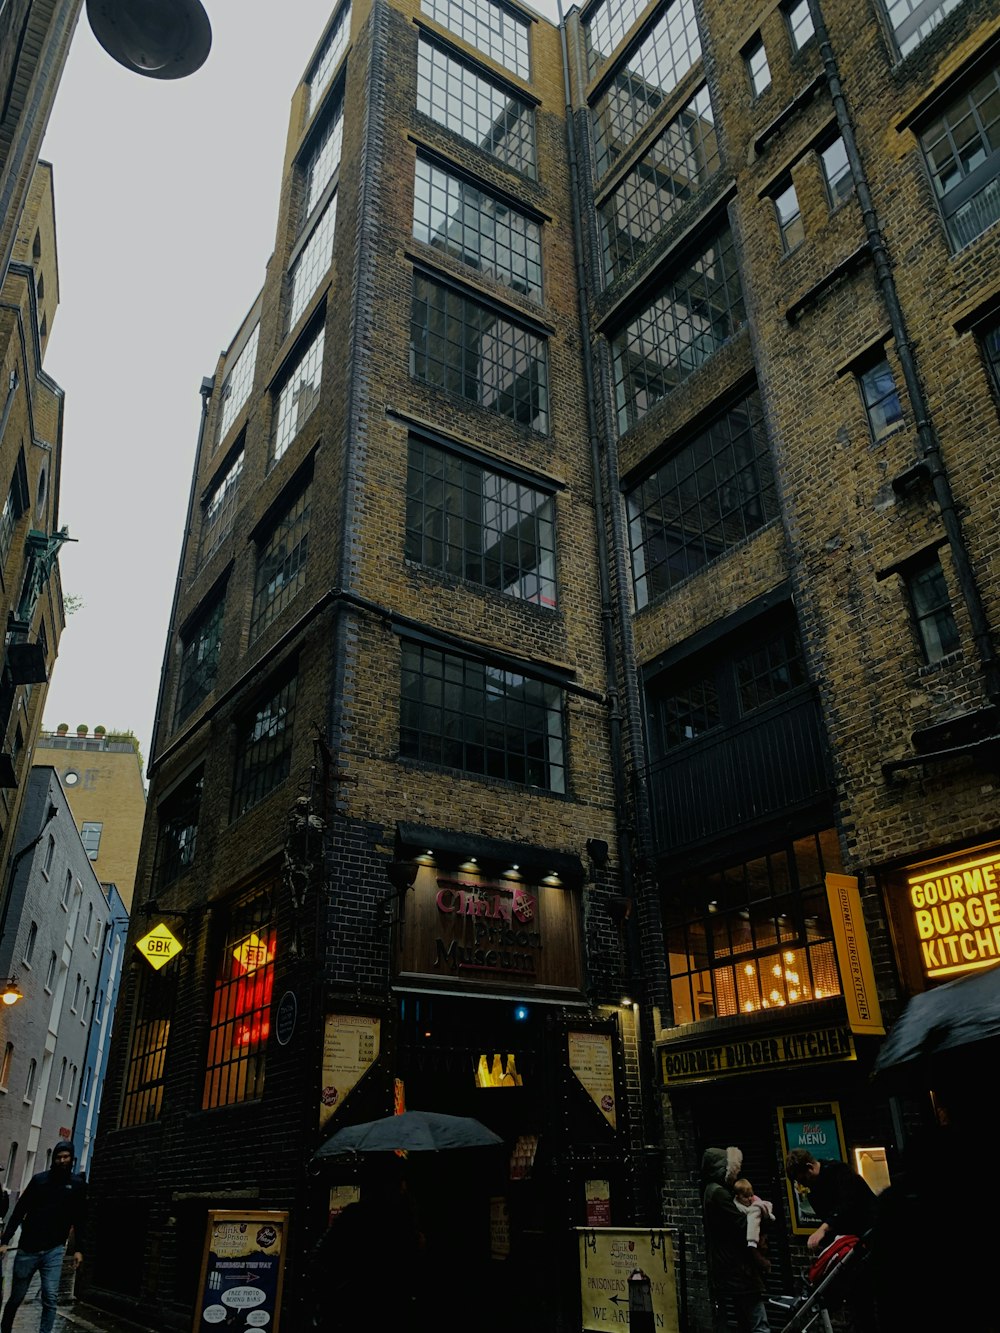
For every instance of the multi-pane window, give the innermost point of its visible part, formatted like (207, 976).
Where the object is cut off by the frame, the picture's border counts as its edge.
(881, 399)
(237, 384)
(8, 522)
(90, 835)
(755, 935)
(322, 160)
(485, 232)
(298, 396)
(483, 719)
(990, 340)
(178, 820)
(671, 172)
(50, 974)
(800, 24)
(457, 96)
(471, 349)
(241, 1005)
(758, 70)
(836, 171)
(786, 206)
(491, 28)
(50, 851)
(604, 28)
(29, 1082)
(708, 496)
(29, 947)
(312, 263)
(147, 1057)
(281, 564)
(90, 920)
(67, 891)
(199, 660)
(473, 523)
(691, 316)
(644, 81)
(264, 747)
(933, 616)
(329, 58)
(219, 510)
(5, 1064)
(913, 20)
(962, 148)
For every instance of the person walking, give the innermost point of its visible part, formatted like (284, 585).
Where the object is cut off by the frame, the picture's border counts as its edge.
(733, 1264)
(53, 1204)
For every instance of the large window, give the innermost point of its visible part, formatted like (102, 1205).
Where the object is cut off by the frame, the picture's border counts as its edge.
(492, 28)
(322, 159)
(990, 340)
(237, 384)
(147, 1057)
(468, 521)
(199, 659)
(644, 81)
(241, 1005)
(711, 493)
(457, 96)
(789, 214)
(329, 57)
(691, 316)
(485, 232)
(264, 748)
(604, 28)
(755, 935)
(219, 509)
(468, 715)
(913, 20)
(470, 349)
(881, 399)
(962, 148)
(671, 172)
(758, 69)
(178, 817)
(313, 262)
(281, 563)
(298, 396)
(800, 24)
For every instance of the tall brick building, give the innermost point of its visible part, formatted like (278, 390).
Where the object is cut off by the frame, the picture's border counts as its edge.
(581, 697)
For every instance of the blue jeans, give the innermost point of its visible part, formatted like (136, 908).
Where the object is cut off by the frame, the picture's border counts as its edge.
(751, 1314)
(48, 1264)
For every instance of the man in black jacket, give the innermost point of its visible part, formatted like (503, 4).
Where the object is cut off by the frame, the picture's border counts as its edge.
(837, 1195)
(53, 1204)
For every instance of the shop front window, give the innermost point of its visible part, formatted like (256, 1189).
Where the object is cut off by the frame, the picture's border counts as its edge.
(754, 935)
(241, 1006)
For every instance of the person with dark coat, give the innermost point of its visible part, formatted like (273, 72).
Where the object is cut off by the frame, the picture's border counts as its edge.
(53, 1204)
(838, 1196)
(733, 1265)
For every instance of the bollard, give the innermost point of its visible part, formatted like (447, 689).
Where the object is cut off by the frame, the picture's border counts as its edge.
(640, 1303)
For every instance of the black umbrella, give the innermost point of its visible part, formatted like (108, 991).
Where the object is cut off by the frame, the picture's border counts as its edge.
(943, 1023)
(414, 1131)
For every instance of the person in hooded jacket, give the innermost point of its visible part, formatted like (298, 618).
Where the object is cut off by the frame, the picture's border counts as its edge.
(53, 1204)
(733, 1265)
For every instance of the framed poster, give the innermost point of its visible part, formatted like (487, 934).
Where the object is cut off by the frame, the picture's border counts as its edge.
(816, 1128)
(242, 1270)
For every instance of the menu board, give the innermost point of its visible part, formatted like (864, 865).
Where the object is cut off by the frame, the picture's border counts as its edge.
(590, 1058)
(350, 1048)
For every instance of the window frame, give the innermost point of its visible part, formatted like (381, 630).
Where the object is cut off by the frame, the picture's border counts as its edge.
(201, 648)
(934, 647)
(791, 224)
(149, 1042)
(789, 9)
(836, 194)
(863, 374)
(759, 73)
(300, 382)
(256, 777)
(249, 929)
(973, 184)
(289, 530)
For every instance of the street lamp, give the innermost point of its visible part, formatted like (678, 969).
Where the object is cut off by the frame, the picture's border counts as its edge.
(162, 39)
(11, 992)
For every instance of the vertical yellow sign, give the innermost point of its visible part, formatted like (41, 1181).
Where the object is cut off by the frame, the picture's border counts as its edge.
(856, 972)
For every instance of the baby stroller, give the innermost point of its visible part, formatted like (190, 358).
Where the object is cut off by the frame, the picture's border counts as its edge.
(828, 1282)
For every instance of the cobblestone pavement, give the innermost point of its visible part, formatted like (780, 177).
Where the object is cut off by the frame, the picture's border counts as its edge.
(75, 1318)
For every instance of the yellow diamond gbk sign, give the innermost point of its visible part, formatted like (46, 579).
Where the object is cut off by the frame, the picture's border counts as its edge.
(159, 946)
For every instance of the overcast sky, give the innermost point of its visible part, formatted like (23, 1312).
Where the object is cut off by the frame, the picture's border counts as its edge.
(166, 203)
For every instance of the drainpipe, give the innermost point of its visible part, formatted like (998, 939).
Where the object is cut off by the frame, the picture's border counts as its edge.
(207, 386)
(931, 464)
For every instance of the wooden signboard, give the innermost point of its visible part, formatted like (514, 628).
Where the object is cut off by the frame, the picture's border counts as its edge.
(242, 1270)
